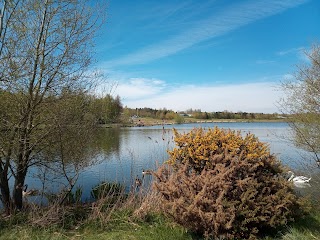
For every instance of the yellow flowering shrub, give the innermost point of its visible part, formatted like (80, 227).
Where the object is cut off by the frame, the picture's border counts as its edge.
(221, 184)
(199, 146)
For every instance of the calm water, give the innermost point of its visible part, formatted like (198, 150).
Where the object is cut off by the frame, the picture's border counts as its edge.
(121, 154)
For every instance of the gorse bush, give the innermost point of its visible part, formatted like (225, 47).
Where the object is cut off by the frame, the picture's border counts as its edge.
(199, 146)
(221, 184)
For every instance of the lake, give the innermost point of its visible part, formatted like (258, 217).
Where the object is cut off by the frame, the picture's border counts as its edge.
(120, 154)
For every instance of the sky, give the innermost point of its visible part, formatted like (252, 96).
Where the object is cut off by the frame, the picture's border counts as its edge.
(213, 55)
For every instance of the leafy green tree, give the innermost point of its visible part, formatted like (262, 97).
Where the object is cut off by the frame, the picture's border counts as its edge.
(179, 119)
(302, 102)
(45, 52)
(106, 109)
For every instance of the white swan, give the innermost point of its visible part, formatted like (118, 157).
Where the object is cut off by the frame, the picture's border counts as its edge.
(298, 179)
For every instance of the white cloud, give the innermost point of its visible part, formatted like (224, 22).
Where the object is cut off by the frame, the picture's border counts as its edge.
(137, 88)
(218, 24)
(252, 97)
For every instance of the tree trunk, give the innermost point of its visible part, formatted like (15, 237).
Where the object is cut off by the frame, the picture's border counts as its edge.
(5, 192)
(18, 186)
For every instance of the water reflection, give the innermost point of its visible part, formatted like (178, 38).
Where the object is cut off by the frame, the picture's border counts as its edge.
(62, 166)
(106, 141)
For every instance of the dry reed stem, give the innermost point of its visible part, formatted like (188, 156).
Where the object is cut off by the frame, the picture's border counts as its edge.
(150, 203)
(42, 217)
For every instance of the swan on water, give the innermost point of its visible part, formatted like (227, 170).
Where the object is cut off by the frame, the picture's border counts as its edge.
(298, 179)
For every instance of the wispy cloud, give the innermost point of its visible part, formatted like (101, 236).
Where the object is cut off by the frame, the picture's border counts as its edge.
(300, 52)
(291, 51)
(252, 97)
(265, 62)
(219, 23)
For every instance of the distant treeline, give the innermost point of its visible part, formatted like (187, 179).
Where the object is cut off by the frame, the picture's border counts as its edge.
(149, 112)
(106, 109)
(237, 115)
(96, 109)
(198, 114)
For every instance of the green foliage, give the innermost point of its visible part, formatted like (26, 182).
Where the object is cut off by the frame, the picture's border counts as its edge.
(305, 228)
(106, 109)
(221, 184)
(179, 119)
(44, 85)
(198, 114)
(74, 197)
(152, 113)
(106, 189)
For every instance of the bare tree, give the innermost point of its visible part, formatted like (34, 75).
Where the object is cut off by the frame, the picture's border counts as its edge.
(45, 52)
(302, 101)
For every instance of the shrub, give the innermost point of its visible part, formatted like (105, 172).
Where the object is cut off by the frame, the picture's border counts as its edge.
(221, 184)
(179, 119)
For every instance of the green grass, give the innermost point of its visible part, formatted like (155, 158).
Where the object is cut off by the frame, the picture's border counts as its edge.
(306, 228)
(154, 227)
(146, 232)
(119, 227)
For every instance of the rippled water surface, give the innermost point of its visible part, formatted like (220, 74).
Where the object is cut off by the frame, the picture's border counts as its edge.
(121, 154)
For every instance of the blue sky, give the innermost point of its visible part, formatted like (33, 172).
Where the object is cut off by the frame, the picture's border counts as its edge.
(201, 54)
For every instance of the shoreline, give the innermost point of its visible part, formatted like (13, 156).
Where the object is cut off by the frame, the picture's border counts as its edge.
(145, 122)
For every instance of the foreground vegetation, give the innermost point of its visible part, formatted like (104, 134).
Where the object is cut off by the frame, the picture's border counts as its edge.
(127, 222)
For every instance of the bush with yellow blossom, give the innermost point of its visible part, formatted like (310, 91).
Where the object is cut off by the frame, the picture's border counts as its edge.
(222, 184)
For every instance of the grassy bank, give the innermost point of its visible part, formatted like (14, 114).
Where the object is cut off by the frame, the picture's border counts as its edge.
(123, 226)
(135, 218)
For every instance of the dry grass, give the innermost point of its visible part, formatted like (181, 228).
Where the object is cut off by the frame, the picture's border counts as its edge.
(100, 212)
(148, 204)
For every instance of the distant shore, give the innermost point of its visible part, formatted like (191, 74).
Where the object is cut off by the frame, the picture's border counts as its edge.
(142, 122)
